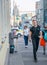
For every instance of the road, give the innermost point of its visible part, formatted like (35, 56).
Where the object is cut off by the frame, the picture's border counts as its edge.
(24, 56)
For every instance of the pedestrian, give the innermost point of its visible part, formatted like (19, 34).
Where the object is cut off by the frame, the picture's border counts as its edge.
(11, 38)
(44, 33)
(26, 33)
(35, 33)
(15, 41)
(42, 41)
(11, 42)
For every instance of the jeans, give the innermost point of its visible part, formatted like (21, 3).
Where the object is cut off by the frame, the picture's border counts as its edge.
(26, 40)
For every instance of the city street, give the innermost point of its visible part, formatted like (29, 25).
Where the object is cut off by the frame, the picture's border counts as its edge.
(24, 56)
(18, 18)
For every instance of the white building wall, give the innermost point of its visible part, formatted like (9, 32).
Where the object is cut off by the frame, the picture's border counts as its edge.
(4, 18)
(0, 20)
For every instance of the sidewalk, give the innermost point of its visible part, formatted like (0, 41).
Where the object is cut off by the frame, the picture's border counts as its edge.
(4, 54)
(15, 59)
(24, 56)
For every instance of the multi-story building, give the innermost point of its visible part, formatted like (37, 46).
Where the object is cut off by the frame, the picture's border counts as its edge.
(4, 30)
(15, 15)
(0, 20)
(43, 13)
(4, 18)
(38, 12)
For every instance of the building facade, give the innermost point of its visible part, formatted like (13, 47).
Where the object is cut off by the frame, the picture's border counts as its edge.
(38, 12)
(45, 12)
(42, 9)
(15, 15)
(42, 13)
(4, 18)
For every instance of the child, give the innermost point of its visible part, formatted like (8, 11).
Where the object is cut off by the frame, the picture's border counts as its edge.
(26, 33)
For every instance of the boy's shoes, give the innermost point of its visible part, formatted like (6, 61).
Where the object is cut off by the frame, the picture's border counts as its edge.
(44, 53)
(26, 46)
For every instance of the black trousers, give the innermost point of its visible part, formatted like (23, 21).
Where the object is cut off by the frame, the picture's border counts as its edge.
(35, 42)
(44, 48)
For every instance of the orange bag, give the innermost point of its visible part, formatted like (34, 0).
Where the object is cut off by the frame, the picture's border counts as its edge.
(42, 42)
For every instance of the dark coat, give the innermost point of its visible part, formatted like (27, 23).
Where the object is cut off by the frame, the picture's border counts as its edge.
(11, 38)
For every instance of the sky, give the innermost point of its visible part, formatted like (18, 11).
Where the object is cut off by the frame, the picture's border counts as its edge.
(25, 5)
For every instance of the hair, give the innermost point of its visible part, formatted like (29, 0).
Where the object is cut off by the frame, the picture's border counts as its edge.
(25, 26)
(33, 20)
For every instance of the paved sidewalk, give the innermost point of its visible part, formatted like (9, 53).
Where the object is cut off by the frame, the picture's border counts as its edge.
(24, 56)
(15, 59)
(4, 53)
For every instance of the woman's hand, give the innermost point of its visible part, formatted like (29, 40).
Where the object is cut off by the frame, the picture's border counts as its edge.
(40, 36)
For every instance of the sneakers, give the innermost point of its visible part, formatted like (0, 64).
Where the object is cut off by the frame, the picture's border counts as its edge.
(26, 46)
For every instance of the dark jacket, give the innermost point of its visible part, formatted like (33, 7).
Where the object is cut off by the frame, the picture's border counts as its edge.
(11, 38)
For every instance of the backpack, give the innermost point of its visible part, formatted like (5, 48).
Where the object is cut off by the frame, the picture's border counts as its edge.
(45, 36)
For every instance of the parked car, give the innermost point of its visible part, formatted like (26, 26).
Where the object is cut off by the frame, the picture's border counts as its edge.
(20, 32)
(17, 31)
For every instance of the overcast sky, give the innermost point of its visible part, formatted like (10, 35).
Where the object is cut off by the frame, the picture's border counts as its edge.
(26, 5)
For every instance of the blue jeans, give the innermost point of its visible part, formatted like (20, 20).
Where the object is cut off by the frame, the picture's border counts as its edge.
(26, 40)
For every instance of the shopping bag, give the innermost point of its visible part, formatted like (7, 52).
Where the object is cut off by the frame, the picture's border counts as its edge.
(42, 42)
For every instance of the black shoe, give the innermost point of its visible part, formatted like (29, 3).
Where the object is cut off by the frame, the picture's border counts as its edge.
(43, 53)
(35, 60)
(15, 51)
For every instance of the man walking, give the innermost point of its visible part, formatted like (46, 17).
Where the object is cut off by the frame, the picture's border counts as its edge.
(35, 33)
